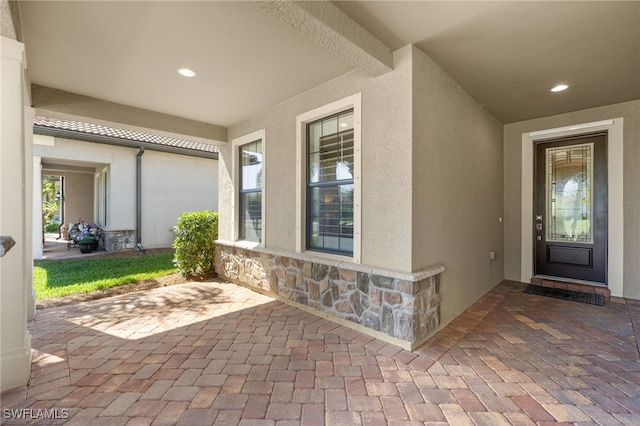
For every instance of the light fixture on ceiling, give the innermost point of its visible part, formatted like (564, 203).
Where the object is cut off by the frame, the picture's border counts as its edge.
(560, 88)
(186, 72)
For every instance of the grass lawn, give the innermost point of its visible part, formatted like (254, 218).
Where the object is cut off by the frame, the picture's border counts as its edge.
(57, 278)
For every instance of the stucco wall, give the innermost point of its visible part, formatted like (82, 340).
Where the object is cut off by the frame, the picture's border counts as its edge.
(121, 161)
(457, 188)
(630, 112)
(386, 159)
(174, 184)
(171, 184)
(6, 23)
(78, 201)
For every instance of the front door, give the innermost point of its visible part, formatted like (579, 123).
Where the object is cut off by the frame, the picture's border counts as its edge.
(570, 217)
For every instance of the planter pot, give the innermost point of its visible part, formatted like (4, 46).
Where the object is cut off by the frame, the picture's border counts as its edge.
(94, 245)
(86, 247)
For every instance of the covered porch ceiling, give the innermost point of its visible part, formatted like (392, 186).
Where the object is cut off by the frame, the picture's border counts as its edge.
(250, 56)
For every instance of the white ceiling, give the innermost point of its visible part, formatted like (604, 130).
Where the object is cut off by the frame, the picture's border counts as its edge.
(507, 55)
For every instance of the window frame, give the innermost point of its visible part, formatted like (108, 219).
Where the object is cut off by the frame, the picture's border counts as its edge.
(323, 184)
(237, 143)
(352, 102)
(105, 197)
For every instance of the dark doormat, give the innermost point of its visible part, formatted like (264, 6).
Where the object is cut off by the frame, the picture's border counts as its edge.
(560, 293)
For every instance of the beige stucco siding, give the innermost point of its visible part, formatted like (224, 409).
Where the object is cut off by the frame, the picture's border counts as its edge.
(630, 112)
(6, 22)
(171, 184)
(386, 163)
(457, 187)
(80, 205)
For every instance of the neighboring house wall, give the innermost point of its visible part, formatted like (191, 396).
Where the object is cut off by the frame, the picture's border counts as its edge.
(171, 184)
(78, 203)
(431, 194)
(630, 112)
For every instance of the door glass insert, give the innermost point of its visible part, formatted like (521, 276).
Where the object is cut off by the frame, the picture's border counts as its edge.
(569, 193)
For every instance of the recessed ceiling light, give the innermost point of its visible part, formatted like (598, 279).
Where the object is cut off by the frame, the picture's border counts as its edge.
(560, 88)
(186, 72)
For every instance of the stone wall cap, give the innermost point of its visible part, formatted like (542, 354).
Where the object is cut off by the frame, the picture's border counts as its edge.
(427, 272)
(325, 260)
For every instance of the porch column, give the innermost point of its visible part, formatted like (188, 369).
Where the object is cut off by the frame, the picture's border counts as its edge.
(15, 217)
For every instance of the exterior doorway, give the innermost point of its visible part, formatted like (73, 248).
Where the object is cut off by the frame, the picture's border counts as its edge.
(52, 204)
(614, 129)
(571, 208)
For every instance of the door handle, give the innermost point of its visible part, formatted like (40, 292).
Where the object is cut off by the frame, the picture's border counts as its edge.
(539, 227)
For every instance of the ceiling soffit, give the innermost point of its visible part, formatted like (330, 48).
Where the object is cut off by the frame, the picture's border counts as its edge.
(128, 53)
(508, 55)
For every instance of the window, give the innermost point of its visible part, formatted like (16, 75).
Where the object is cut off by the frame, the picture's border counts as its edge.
(251, 191)
(248, 175)
(328, 179)
(330, 184)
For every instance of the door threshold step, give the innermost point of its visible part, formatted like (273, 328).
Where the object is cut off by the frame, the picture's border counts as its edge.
(586, 288)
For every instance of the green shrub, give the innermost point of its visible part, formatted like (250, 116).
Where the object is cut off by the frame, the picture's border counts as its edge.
(51, 226)
(194, 243)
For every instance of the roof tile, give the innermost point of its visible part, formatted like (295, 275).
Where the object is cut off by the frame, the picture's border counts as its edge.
(96, 129)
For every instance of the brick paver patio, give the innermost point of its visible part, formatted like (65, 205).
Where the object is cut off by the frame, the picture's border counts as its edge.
(215, 353)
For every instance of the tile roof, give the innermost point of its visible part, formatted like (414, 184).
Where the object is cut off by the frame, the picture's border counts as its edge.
(124, 134)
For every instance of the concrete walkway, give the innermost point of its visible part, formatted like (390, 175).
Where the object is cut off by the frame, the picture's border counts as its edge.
(56, 248)
(215, 353)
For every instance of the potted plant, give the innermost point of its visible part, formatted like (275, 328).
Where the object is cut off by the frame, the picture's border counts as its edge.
(87, 234)
(86, 244)
(95, 233)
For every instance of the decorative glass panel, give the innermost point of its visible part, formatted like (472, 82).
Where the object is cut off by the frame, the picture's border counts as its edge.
(569, 193)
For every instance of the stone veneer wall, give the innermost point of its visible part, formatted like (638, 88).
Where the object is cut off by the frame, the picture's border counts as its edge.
(118, 239)
(404, 308)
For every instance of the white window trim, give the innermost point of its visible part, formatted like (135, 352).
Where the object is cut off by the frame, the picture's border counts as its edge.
(104, 202)
(235, 170)
(353, 101)
(615, 159)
